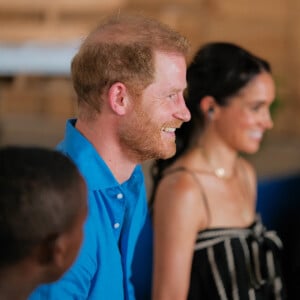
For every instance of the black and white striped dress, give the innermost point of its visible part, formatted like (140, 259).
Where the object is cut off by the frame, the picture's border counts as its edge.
(237, 264)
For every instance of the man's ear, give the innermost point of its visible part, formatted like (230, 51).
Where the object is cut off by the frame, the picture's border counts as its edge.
(118, 98)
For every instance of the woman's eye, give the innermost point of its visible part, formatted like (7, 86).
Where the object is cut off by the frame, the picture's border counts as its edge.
(256, 107)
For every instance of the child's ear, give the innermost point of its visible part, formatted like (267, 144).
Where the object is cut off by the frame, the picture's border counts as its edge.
(50, 257)
(45, 251)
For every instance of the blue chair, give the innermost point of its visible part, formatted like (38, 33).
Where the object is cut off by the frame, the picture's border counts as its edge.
(278, 202)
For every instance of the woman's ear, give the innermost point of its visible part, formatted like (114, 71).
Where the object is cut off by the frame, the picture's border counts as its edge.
(118, 98)
(208, 106)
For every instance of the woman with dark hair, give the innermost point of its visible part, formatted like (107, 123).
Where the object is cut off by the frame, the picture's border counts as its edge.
(209, 242)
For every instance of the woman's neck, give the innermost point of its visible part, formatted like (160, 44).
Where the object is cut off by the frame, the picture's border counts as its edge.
(220, 159)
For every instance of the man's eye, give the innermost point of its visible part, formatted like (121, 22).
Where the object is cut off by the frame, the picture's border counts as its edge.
(172, 96)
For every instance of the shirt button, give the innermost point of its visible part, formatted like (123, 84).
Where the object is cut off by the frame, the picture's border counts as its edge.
(120, 196)
(116, 225)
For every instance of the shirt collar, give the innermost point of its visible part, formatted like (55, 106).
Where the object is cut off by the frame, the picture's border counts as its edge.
(90, 163)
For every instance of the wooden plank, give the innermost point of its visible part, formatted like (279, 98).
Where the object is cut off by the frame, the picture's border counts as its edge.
(59, 5)
(22, 32)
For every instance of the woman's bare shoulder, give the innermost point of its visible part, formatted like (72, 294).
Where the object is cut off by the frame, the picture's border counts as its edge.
(180, 193)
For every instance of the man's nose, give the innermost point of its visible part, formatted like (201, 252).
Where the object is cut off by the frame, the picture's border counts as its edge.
(182, 112)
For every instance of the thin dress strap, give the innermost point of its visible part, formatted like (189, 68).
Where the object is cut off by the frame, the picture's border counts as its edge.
(193, 174)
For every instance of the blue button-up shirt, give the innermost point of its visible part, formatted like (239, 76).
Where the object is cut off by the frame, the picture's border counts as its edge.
(118, 216)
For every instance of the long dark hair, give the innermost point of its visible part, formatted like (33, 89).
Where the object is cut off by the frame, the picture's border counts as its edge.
(219, 70)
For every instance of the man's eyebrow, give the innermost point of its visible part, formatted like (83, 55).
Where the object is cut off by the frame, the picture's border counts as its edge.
(177, 90)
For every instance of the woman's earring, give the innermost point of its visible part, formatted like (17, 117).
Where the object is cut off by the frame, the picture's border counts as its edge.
(210, 113)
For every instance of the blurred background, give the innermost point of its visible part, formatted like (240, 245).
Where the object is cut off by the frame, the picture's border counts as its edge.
(38, 39)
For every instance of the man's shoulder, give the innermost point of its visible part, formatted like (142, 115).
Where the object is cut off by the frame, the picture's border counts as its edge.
(61, 146)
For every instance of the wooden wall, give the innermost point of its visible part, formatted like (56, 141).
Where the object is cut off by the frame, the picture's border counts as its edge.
(32, 107)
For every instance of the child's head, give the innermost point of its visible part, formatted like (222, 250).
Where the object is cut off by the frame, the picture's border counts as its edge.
(42, 209)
